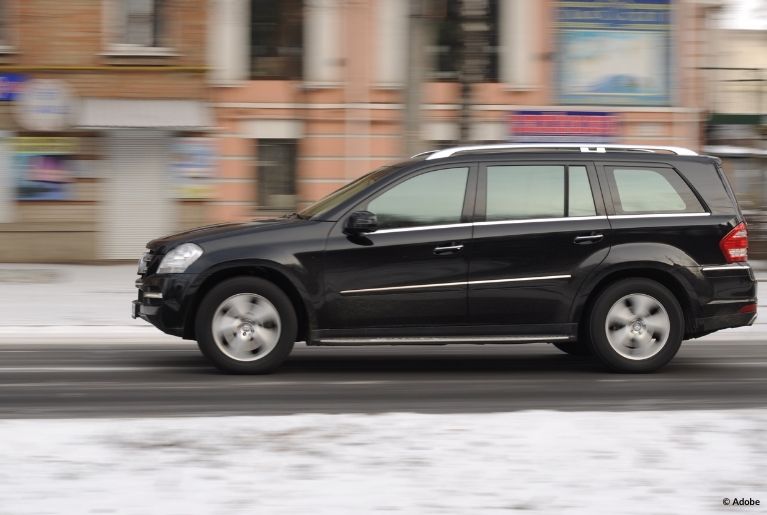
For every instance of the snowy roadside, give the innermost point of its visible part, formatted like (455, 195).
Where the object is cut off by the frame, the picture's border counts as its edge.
(534, 462)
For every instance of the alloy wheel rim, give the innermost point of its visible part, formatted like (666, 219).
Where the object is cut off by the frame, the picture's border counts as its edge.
(246, 327)
(637, 326)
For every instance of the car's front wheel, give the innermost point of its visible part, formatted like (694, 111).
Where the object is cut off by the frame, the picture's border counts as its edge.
(246, 325)
(636, 325)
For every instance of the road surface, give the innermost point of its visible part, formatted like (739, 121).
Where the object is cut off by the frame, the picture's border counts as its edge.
(172, 379)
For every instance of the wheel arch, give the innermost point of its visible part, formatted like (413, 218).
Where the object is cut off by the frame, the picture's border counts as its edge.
(678, 287)
(262, 270)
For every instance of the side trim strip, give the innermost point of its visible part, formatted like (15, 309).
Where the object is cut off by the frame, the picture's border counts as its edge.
(520, 279)
(460, 283)
(415, 340)
(152, 295)
(731, 301)
(726, 267)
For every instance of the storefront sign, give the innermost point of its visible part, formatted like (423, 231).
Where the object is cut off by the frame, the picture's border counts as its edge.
(562, 126)
(43, 167)
(194, 166)
(45, 105)
(614, 53)
(10, 84)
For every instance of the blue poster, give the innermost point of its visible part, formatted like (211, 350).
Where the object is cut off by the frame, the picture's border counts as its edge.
(10, 84)
(614, 53)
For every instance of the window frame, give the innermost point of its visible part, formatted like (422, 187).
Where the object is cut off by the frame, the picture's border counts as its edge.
(616, 208)
(115, 20)
(480, 214)
(300, 73)
(261, 193)
(469, 195)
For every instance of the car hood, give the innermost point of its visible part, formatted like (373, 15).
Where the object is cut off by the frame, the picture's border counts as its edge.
(200, 235)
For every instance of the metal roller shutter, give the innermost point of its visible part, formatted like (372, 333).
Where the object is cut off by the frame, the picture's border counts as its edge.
(138, 197)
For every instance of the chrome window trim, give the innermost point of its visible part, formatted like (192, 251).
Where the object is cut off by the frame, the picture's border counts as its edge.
(733, 266)
(421, 228)
(658, 215)
(149, 295)
(539, 220)
(460, 283)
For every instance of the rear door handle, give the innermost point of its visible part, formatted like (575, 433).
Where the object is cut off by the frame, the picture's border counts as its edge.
(450, 249)
(592, 238)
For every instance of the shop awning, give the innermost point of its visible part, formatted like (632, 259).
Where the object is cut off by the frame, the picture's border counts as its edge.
(108, 113)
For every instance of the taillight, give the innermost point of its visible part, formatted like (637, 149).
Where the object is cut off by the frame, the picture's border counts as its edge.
(735, 244)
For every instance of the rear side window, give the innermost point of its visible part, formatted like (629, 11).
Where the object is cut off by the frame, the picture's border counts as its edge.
(537, 191)
(651, 190)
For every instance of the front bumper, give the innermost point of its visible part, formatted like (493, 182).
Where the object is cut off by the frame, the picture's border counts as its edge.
(165, 301)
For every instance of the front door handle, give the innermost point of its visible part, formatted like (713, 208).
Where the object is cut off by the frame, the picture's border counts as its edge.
(592, 238)
(450, 249)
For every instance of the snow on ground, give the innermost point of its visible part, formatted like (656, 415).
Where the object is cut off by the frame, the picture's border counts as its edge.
(531, 462)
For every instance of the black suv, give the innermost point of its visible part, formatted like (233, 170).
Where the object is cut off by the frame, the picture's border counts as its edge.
(616, 251)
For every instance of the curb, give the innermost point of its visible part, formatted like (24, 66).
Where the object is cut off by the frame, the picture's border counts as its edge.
(85, 334)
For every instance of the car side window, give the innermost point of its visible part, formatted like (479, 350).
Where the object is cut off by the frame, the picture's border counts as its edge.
(538, 191)
(651, 190)
(431, 198)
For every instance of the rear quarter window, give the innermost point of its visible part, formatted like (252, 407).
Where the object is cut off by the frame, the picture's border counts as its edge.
(646, 190)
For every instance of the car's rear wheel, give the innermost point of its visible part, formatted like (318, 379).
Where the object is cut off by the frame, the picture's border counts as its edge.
(246, 325)
(636, 325)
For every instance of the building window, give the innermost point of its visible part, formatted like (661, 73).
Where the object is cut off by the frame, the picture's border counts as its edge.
(277, 174)
(447, 52)
(276, 39)
(137, 24)
(4, 23)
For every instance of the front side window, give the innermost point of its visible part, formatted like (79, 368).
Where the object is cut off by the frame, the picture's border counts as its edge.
(276, 39)
(431, 198)
(139, 23)
(651, 190)
(521, 192)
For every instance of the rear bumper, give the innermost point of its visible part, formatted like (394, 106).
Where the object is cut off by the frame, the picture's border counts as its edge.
(708, 325)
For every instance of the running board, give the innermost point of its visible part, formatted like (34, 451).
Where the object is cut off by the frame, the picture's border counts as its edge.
(438, 340)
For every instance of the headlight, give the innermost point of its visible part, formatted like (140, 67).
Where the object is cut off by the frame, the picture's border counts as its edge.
(178, 260)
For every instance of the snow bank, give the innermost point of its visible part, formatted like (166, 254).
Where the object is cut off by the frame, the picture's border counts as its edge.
(533, 462)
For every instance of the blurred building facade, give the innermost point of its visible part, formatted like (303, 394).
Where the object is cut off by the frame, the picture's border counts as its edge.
(310, 94)
(122, 120)
(736, 128)
(101, 105)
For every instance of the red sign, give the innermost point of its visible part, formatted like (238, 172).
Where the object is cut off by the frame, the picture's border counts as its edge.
(563, 126)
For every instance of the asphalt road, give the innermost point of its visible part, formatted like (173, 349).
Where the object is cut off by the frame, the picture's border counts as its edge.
(114, 380)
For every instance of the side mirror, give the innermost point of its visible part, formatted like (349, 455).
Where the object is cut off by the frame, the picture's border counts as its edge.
(361, 222)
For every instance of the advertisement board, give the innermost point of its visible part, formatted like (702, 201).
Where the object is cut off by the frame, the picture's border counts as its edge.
(614, 53)
(194, 165)
(562, 126)
(43, 167)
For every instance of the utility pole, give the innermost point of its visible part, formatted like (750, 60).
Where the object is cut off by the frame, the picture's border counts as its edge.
(473, 65)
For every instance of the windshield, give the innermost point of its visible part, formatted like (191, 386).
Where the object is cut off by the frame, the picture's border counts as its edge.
(338, 197)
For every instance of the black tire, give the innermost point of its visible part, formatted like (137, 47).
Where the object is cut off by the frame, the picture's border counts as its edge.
(614, 356)
(574, 348)
(258, 288)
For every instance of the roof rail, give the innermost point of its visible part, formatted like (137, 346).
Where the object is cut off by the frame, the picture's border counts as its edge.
(583, 147)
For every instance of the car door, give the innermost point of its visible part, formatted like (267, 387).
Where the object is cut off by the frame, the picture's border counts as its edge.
(411, 273)
(540, 230)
